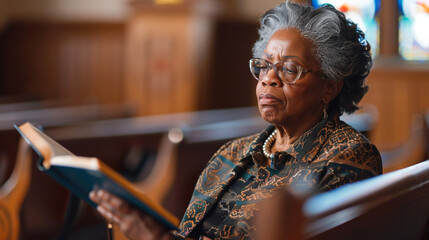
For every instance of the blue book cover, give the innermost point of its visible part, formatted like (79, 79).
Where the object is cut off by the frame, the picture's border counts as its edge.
(81, 175)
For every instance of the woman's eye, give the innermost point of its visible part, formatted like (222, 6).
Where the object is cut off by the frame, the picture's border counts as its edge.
(261, 65)
(290, 68)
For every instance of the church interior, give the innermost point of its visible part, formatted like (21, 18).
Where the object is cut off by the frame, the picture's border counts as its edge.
(154, 87)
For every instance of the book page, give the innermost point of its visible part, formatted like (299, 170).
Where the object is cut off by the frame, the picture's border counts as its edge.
(89, 163)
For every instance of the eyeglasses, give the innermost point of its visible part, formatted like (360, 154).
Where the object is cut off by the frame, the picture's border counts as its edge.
(287, 71)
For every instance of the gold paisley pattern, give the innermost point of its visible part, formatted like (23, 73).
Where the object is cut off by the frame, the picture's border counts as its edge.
(327, 156)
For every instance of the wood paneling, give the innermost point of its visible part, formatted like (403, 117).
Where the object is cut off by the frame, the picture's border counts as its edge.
(230, 73)
(176, 61)
(168, 52)
(83, 61)
(398, 92)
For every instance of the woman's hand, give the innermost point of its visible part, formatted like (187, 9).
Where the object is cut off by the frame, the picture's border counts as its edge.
(132, 222)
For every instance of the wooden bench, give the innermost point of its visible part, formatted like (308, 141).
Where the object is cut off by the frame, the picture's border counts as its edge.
(28, 105)
(61, 116)
(13, 192)
(389, 206)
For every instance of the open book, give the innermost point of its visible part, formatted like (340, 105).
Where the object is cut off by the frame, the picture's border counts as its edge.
(81, 175)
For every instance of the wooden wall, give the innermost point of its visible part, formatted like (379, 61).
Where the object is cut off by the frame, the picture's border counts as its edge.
(398, 90)
(162, 60)
(48, 60)
(167, 53)
(195, 70)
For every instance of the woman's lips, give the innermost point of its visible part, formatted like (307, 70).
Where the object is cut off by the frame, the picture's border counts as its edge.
(268, 99)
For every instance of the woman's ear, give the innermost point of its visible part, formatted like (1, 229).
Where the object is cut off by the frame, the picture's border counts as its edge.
(333, 88)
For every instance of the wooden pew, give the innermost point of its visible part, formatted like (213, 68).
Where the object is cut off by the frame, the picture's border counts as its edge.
(27, 105)
(13, 192)
(389, 206)
(61, 116)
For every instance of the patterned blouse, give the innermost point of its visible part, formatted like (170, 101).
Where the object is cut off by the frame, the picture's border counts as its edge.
(223, 204)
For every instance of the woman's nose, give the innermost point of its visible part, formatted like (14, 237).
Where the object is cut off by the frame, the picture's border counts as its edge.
(271, 79)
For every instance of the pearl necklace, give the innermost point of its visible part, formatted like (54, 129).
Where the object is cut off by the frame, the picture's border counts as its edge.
(267, 144)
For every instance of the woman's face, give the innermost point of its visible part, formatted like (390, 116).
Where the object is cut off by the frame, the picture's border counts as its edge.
(291, 104)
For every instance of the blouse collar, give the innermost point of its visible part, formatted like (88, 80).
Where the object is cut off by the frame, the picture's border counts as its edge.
(305, 147)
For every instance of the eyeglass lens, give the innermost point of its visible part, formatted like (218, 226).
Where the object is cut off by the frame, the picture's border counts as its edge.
(287, 71)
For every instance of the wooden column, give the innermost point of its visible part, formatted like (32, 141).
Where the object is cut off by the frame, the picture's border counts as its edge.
(167, 54)
(389, 26)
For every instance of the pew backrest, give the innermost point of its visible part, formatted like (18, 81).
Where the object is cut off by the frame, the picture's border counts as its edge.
(389, 206)
(65, 115)
(13, 192)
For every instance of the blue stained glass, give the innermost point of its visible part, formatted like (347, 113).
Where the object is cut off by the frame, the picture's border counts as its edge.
(363, 13)
(413, 29)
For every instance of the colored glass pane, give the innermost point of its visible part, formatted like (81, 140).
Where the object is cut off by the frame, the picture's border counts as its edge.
(413, 29)
(363, 13)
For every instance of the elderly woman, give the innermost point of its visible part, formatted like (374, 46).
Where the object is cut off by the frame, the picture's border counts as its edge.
(310, 65)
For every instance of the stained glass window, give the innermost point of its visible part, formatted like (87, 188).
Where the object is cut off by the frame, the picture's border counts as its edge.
(363, 13)
(414, 29)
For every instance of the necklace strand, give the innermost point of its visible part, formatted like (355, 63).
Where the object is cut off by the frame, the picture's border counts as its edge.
(268, 143)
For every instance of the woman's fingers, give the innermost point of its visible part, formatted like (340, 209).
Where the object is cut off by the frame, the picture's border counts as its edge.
(93, 196)
(111, 217)
(110, 206)
(106, 199)
(115, 203)
(132, 222)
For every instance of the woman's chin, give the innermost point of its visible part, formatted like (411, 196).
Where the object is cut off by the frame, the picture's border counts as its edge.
(269, 116)
(272, 115)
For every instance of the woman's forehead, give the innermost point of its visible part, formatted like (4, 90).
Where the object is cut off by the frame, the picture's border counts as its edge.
(287, 43)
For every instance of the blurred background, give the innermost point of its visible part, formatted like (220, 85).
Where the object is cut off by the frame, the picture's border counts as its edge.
(167, 56)
(140, 58)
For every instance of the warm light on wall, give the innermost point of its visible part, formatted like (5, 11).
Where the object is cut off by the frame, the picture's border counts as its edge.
(164, 2)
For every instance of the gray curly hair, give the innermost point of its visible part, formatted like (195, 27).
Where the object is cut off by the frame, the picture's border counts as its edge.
(340, 47)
